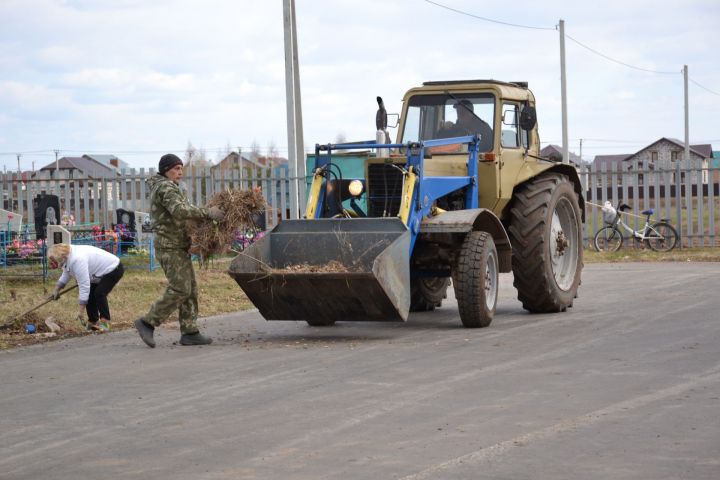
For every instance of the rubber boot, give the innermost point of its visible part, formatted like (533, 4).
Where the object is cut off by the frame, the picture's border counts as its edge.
(146, 332)
(196, 338)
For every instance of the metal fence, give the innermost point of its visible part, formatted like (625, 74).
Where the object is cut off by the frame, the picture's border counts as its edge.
(21, 254)
(687, 196)
(95, 200)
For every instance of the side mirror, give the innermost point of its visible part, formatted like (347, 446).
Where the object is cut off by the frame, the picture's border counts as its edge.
(508, 117)
(528, 118)
(393, 120)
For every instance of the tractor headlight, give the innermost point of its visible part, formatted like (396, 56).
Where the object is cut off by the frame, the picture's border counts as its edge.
(355, 188)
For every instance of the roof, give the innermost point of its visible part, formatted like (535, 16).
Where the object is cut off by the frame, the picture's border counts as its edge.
(704, 149)
(677, 142)
(252, 159)
(674, 141)
(548, 150)
(108, 160)
(600, 161)
(87, 165)
(477, 81)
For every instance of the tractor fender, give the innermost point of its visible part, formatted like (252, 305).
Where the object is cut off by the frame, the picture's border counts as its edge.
(475, 219)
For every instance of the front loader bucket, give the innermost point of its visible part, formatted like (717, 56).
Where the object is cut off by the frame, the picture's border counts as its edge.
(328, 270)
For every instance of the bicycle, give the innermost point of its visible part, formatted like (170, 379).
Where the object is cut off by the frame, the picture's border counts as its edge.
(659, 236)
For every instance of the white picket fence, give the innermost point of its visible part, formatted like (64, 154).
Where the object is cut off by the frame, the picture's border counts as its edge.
(688, 197)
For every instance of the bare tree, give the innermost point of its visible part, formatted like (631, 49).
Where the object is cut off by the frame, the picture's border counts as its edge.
(272, 153)
(190, 154)
(254, 150)
(340, 138)
(195, 158)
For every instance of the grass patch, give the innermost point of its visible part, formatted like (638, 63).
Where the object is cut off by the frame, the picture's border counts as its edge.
(130, 299)
(647, 255)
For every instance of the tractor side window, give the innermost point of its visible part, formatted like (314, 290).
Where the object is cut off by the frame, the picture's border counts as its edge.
(509, 134)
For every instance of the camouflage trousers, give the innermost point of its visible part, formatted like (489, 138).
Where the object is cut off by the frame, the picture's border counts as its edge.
(181, 293)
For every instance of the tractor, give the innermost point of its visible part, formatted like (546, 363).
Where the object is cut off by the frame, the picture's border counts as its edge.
(461, 195)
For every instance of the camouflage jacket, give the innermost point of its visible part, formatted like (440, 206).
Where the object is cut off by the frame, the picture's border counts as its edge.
(169, 210)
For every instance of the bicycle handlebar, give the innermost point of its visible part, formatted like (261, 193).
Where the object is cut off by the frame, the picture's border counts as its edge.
(624, 206)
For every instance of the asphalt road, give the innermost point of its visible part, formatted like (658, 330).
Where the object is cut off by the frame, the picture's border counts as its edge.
(625, 385)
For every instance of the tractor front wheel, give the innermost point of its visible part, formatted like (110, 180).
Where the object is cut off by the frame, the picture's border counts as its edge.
(475, 278)
(545, 232)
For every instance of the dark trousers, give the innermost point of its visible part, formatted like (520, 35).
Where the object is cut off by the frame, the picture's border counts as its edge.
(97, 306)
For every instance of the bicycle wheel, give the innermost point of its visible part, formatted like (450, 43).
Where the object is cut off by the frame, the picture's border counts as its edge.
(608, 239)
(661, 237)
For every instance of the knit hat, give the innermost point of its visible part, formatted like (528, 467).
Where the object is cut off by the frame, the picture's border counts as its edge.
(168, 161)
(464, 104)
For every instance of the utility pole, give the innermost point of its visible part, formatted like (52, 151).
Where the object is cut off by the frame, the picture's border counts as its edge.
(563, 95)
(687, 141)
(687, 118)
(296, 151)
(18, 157)
(581, 159)
(57, 165)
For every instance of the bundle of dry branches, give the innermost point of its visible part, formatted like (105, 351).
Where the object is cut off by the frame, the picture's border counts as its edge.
(216, 237)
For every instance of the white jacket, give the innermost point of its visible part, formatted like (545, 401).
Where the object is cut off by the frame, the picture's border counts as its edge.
(86, 264)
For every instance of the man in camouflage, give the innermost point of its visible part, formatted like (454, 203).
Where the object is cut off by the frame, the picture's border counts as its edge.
(170, 209)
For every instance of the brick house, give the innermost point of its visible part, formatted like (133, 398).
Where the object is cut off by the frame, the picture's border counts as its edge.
(668, 153)
(664, 154)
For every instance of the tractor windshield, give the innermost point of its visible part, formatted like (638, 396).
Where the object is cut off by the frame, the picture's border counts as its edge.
(444, 116)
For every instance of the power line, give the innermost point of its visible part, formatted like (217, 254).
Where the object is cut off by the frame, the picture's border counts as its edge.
(635, 142)
(596, 52)
(488, 19)
(704, 88)
(619, 62)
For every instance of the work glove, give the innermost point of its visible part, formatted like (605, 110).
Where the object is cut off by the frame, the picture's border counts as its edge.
(81, 317)
(56, 294)
(215, 213)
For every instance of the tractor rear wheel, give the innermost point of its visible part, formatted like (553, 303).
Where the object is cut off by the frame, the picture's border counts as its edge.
(475, 278)
(426, 293)
(545, 232)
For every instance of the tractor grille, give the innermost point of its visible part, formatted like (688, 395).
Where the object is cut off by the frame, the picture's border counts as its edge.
(384, 190)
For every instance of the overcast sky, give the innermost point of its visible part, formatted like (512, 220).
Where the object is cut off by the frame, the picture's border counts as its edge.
(138, 78)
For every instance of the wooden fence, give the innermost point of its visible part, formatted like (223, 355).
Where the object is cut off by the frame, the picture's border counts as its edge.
(688, 197)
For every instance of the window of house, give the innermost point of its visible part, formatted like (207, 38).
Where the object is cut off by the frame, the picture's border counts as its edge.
(674, 156)
(654, 156)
